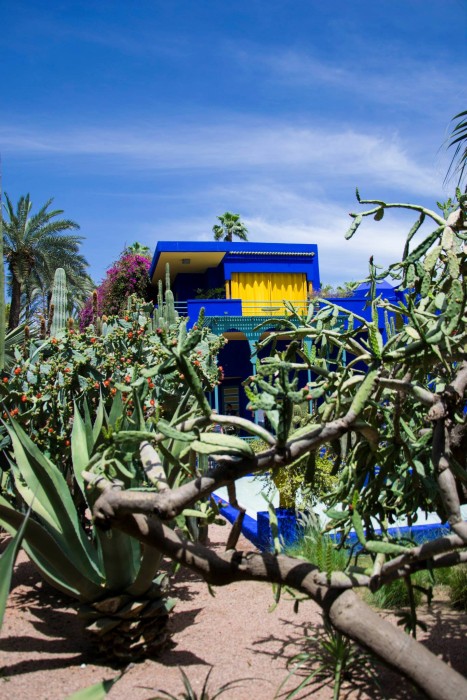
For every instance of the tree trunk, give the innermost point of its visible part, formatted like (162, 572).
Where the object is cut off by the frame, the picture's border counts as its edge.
(15, 306)
(356, 620)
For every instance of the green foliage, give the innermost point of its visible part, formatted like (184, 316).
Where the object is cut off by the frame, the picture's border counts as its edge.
(458, 141)
(345, 289)
(384, 463)
(212, 293)
(2, 280)
(395, 595)
(328, 656)
(457, 582)
(39, 391)
(36, 243)
(309, 478)
(190, 694)
(107, 572)
(7, 562)
(97, 691)
(86, 401)
(318, 548)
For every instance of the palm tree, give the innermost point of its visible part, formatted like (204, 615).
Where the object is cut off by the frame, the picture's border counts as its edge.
(229, 227)
(458, 140)
(138, 248)
(34, 246)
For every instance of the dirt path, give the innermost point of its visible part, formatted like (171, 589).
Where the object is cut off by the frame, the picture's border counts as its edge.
(44, 653)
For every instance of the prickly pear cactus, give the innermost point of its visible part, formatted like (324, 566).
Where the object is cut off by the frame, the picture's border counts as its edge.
(59, 303)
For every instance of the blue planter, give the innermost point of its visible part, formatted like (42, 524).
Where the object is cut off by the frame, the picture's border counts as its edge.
(289, 529)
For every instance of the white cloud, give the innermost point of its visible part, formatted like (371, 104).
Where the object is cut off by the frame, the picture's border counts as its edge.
(336, 155)
(385, 75)
(279, 214)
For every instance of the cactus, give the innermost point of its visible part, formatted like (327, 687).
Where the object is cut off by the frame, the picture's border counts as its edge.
(58, 305)
(165, 313)
(170, 313)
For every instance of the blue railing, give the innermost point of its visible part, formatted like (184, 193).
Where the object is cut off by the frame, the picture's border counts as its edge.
(237, 307)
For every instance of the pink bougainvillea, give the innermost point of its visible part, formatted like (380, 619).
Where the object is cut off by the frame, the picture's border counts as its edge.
(129, 275)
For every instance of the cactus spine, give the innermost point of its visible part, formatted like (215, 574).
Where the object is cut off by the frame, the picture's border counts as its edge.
(58, 306)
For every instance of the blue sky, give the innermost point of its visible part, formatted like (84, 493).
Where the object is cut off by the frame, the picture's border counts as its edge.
(146, 120)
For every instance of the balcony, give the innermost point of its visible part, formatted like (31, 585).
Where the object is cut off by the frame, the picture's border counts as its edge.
(215, 308)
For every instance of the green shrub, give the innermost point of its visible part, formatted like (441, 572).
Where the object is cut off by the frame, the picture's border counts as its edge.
(395, 595)
(458, 585)
(40, 389)
(317, 548)
(330, 657)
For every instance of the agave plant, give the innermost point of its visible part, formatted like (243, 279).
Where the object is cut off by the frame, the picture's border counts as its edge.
(190, 694)
(122, 599)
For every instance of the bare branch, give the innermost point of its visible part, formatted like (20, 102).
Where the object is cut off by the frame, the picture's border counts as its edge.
(152, 466)
(171, 502)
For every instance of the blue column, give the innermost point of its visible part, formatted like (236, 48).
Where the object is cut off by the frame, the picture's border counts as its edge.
(251, 343)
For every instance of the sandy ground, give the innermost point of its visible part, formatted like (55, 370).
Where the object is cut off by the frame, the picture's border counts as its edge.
(46, 655)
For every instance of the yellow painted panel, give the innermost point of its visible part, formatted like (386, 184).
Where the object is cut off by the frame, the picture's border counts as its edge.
(263, 293)
(253, 289)
(290, 287)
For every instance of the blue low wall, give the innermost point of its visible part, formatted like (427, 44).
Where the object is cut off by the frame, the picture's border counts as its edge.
(258, 532)
(249, 527)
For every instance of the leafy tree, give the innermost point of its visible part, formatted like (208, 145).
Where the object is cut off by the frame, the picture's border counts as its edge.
(345, 289)
(35, 245)
(393, 413)
(230, 226)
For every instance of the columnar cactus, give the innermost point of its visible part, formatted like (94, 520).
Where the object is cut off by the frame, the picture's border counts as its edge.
(59, 303)
(165, 313)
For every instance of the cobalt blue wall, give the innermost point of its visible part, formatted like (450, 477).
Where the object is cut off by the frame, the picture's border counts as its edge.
(185, 285)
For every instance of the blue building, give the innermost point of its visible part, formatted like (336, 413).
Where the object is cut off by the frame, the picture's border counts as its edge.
(240, 285)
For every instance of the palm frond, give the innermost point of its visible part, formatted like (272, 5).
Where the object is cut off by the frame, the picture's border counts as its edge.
(458, 140)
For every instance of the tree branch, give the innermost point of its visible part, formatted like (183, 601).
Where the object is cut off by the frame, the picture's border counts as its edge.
(347, 612)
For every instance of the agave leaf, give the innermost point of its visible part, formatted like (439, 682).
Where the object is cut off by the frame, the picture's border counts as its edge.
(79, 449)
(116, 409)
(88, 426)
(7, 562)
(97, 691)
(53, 563)
(44, 488)
(138, 415)
(97, 427)
(120, 554)
(149, 565)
